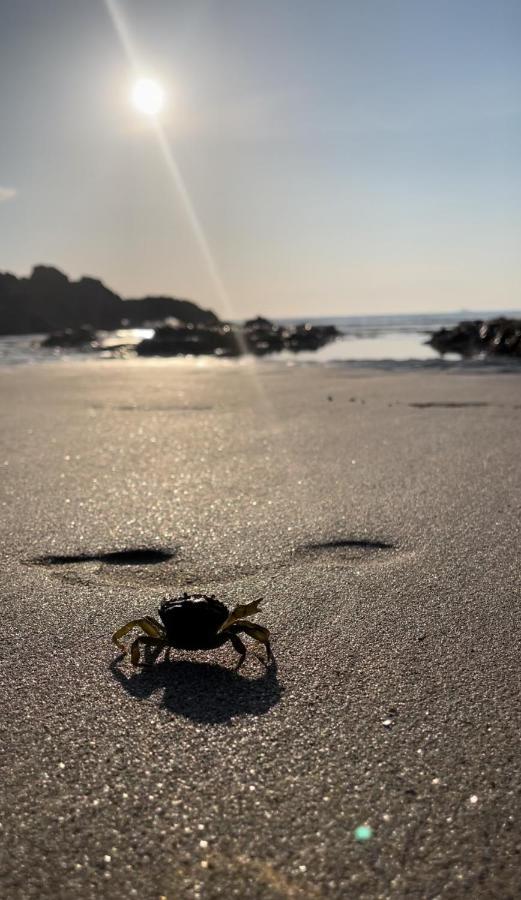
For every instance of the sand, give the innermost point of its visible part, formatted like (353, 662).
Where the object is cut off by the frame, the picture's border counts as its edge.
(378, 515)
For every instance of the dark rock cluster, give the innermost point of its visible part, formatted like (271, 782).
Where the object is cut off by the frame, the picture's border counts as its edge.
(84, 336)
(258, 336)
(501, 337)
(195, 340)
(48, 301)
(262, 336)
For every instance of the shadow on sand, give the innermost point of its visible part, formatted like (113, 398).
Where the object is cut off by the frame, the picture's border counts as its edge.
(137, 556)
(206, 693)
(357, 544)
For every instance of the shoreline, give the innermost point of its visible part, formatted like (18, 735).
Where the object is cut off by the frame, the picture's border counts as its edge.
(491, 366)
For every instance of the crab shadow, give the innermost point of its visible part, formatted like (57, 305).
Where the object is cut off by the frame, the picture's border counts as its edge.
(204, 692)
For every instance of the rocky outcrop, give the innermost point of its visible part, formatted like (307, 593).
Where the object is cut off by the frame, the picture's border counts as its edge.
(257, 336)
(193, 340)
(158, 309)
(71, 337)
(262, 336)
(499, 337)
(49, 301)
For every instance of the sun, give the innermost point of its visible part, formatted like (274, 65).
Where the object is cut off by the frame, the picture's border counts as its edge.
(148, 96)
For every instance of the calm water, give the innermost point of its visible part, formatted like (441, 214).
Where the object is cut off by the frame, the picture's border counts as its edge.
(365, 339)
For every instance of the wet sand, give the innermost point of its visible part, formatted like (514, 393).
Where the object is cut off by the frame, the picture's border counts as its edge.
(378, 515)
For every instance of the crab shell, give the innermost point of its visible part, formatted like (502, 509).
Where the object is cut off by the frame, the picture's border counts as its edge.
(192, 622)
(196, 622)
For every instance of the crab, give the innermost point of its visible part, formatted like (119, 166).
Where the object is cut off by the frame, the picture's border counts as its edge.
(195, 622)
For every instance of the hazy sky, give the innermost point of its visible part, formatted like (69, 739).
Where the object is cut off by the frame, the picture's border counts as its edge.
(340, 156)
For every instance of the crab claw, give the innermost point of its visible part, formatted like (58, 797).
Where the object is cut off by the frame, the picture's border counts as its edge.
(246, 609)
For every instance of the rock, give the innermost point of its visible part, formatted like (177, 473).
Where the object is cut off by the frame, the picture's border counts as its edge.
(263, 336)
(499, 336)
(463, 339)
(71, 337)
(502, 336)
(259, 323)
(193, 340)
(158, 309)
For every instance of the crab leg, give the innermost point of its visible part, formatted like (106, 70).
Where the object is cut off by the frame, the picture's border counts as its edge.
(147, 641)
(258, 633)
(155, 623)
(236, 615)
(147, 624)
(239, 646)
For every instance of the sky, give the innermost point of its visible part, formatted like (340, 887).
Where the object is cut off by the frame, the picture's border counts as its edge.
(313, 158)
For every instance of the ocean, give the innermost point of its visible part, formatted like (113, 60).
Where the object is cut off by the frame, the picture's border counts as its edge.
(398, 338)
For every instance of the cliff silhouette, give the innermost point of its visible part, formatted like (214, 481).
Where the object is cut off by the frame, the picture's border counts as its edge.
(49, 301)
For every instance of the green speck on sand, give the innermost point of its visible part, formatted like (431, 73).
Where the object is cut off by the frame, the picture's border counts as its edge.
(363, 833)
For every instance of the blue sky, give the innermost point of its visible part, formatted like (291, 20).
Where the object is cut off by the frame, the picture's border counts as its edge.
(339, 157)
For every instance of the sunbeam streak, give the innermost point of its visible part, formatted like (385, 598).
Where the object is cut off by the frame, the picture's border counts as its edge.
(122, 31)
(198, 233)
(197, 229)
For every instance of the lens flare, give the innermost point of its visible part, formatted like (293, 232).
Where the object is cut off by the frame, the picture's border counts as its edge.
(363, 833)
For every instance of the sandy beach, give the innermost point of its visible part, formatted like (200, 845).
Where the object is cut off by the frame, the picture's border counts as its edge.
(377, 513)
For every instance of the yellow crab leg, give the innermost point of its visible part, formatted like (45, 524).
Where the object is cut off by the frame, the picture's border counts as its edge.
(246, 609)
(155, 623)
(258, 633)
(149, 626)
(146, 641)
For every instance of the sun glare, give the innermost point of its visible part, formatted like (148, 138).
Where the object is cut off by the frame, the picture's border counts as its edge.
(148, 96)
